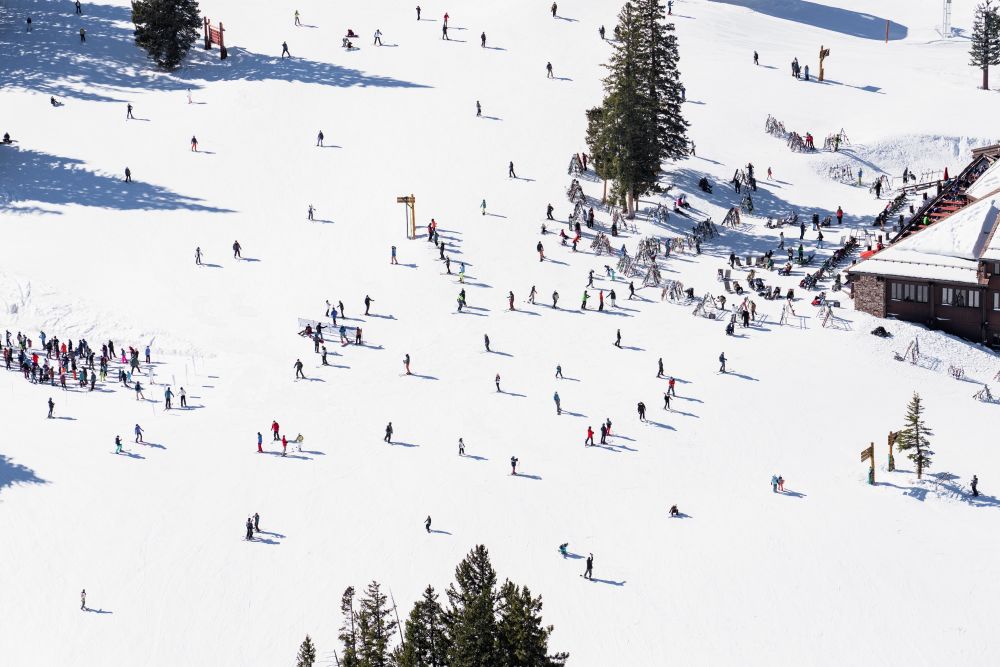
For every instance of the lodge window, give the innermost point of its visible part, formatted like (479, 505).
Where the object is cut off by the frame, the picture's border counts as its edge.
(908, 292)
(996, 300)
(960, 297)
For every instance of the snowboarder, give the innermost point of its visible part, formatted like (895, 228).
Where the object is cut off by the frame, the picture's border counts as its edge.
(589, 572)
(388, 433)
(427, 523)
(564, 549)
(236, 250)
(284, 50)
(555, 397)
(641, 408)
(513, 465)
(138, 434)
(298, 369)
(722, 362)
(674, 511)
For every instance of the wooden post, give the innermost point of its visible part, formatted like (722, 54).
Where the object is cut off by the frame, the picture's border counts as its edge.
(892, 441)
(411, 214)
(823, 53)
(223, 52)
(887, 31)
(868, 454)
(208, 40)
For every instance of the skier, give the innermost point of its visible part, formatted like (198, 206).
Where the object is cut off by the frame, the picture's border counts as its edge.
(555, 299)
(589, 572)
(670, 386)
(138, 434)
(483, 207)
(461, 447)
(284, 445)
(631, 288)
(118, 444)
(755, 61)
(674, 511)
(486, 341)
(138, 391)
(427, 523)
(548, 71)
(497, 382)
(323, 360)
(128, 175)
(554, 10)
(388, 433)
(298, 369)
(563, 549)
(418, 12)
(666, 401)
(260, 443)
(297, 22)
(274, 430)
(236, 250)
(128, 112)
(840, 215)
(722, 361)
(249, 526)
(600, 300)
(479, 109)
(975, 484)
(378, 37)
(531, 295)
(406, 364)
(510, 170)
(319, 138)
(194, 143)
(444, 32)
(774, 483)
(197, 256)
(618, 339)
(83, 593)
(309, 212)
(589, 440)
(83, 35)
(583, 302)
(600, 31)
(284, 50)
(510, 300)
(513, 465)
(604, 434)
(559, 371)
(52, 406)
(555, 397)
(392, 260)
(482, 40)
(368, 303)
(548, 212)
(168, 396)
(256, 522)
(641, 408)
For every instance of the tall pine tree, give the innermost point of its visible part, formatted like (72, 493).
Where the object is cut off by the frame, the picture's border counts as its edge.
(375, 628)
(348, 635)
(662, 79)
(913, 436)
(984, 49)
(307, 654)
(471, 623)
(166, 29)
(596, 143)
(523, 640)
(426, 640)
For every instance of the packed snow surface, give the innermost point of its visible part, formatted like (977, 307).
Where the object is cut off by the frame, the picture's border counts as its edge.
(831, 572)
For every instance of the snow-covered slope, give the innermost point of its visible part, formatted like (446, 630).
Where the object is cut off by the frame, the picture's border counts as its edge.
(836, 572)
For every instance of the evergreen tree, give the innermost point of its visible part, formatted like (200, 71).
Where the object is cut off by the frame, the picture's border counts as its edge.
(913, 436)
(307, 654)
(985, 44)
(426, 640)
(348, 631)
(470, 620)
(523, 640)
(375, 628)
(658, 46)
(597, 144)
(166, 29)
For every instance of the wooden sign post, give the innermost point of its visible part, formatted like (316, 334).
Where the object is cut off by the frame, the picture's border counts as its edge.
(411, 215)
(892, 441)
(823, 53)
(868, 454)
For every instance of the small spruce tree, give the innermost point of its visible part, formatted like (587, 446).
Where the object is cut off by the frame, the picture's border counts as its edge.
(166, 29)
(348, 635)
(426, 642)
(523, 640)
(307, 654)
(912, 437)
(375, 628)
(470, 619)
(984, 49)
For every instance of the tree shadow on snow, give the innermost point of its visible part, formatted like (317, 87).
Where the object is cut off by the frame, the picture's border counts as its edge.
(835, 19)
(14, 473)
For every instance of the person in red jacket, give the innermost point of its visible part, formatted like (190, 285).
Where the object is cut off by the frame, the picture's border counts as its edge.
(590, 437)
(284, 445)
(274, 430)
(840, 215)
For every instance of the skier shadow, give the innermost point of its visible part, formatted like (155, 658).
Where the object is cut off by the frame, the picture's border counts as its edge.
(633, 348)
(567, 19)
(72, 419)
(98, 611)
(423, 377)
(659, 425)
(496, 215)
(212, 266)
(408, 266)
(742, 376)
(526, 312)
(314, 452)
(556, 261)
(495, 48)
(474, 457)
(153, 444)
(323, 221)
(204, 152)
(793, 494)
(607, 581)
(562, 78)
(475, 284)
(313, 379)
(511, 393)
(382, 317)
(330, 146)
(438, 532)
(574, 414)
(534, 477)
(615, 313)
(477, 308)
(498, 352)
(249, 259)
(569, 379)
(681, 515)
(459, 41)
(466, 311)
(288, 456)
(685, 414)
(264, 540)
(144, 120)
(132, 455)
(572, 556)
(524, 178)
(607, 447)
(768, 66)
(396, 443)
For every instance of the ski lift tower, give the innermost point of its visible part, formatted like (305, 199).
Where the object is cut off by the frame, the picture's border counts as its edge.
(946, 19)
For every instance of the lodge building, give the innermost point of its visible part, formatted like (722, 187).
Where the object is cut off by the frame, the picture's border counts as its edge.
(944, 269)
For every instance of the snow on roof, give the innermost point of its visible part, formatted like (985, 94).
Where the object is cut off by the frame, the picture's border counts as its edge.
(987, 184)
(949, 250)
